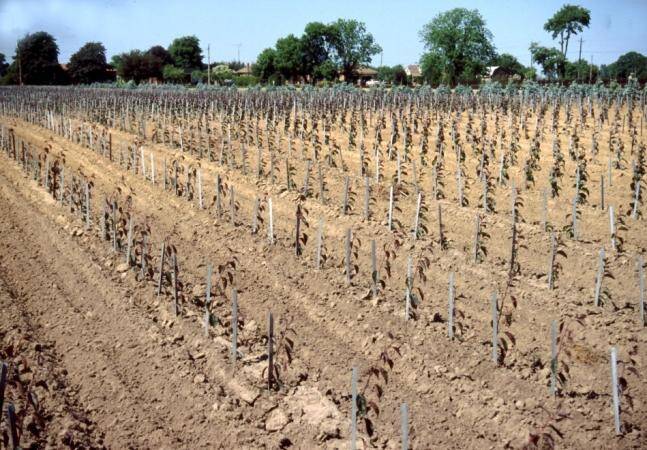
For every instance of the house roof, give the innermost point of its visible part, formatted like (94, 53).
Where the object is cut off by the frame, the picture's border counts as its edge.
(247, 70)
(366, 71)
(412, 70)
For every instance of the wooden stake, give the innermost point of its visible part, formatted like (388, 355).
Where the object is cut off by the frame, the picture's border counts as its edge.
(416, 220)
(641, 287)
(615, 391)
(390, 222)
(551, 261)
(129, 245)
(4, 369)
(477, 237)
(176, 307)
(553, 358)
(270, 229)
(450, 307)
(161, 278)
(612, 229)
(374, 273)
(574, 218)
(218, 196)
(602, 192)
(404, 413)
(353, 409)
(319, 244)
(270, 351)
(14, 442)
(347, 255)
(598, 278)
(87, 206)
(344, 209)
(495, 328)
(234, 325)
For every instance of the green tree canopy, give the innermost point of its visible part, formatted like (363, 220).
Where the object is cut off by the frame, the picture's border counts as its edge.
(4, 65)
(580, 71)
(174, 74)
(88, 64)
(432, 67)
(287, 59)
(631, 63)
(186, 53)
(159, 57)
(353, 46)
(509, 62)
(393, 75)
(326, 71)
(222, 72)
(460, 37)
(551, 60)
(134, 65)
(567, 22)
(37, 59)
(316, 48)
(265, 67)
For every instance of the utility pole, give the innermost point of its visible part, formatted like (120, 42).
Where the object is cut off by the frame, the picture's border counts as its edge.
(381, 55)
(208, 64)
(239, 45)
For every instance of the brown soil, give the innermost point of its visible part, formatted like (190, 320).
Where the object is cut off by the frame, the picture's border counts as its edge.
(122, 371)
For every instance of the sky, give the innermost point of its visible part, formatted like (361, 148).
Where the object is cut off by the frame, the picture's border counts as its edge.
(248, 27)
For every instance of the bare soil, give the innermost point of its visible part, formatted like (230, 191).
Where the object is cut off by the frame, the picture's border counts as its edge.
(113, 367)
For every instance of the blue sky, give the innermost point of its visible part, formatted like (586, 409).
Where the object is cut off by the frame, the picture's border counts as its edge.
(616, 26)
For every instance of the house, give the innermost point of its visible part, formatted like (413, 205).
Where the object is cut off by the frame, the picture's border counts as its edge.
(414, 73)
(498, 73)
(365, 74)
(246, 70)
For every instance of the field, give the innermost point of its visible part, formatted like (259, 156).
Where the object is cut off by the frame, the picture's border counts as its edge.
(445, 245)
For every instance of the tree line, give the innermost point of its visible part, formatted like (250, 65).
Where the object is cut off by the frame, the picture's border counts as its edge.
(458, 50)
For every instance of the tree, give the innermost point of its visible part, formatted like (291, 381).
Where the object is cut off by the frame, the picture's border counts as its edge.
(508, 62)
(551, 60)
(384, 74)
(432, 67)
(37, 59)
(392, 75)
(400, 77)
(222, 72)
(4, 65)
(530, 73)
(116, 61)
(134, 65)
(353, 46)
(580, 71)
(88, 64)
(316, 48)
(174, 74)
(186, 53)
(327, 70)
(631, 63)
(567, 22)
(265, 66)
(287, 59)
(459, 37)
(159, 57)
